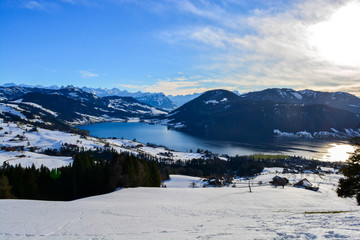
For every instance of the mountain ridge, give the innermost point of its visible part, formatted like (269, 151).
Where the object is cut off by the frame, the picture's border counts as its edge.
(223, 114)
(73, 105)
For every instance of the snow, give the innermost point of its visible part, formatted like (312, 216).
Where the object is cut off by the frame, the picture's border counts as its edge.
(74, 95)
(215, 101)
(212, 101)
(41, 107)
(155, 111)
(352, 105)
(45, 139)
(278, 133)
(272, 170)
(10, 109)
(134, 119)
(86, 119)
(42, 139)
(26, 159)
(328, 169)
(297, 95)
(281, 92)
(309, 93)
(179, 212)
(175, 156)
(304, 134)
(321, 134)
(181, 181)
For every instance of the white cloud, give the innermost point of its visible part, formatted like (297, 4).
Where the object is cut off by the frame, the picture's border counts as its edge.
(88, 74)
(178, 85)
(265, 49)
(38, 5)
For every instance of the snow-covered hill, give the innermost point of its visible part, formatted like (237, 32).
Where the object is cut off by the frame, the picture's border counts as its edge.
(21, 139)
(190, 213)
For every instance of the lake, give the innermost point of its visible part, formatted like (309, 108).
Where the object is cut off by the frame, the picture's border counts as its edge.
(325, 150)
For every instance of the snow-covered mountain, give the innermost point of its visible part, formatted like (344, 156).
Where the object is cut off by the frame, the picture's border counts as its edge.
(158, 100)
(70, 105)
(222, 114)
(340, 100)
(180, 100)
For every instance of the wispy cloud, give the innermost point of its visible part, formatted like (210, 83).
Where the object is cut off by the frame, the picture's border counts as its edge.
(264, 49)
(38, 5)
(241, 44)
(181, 85)
(46, 5)
(88, 74)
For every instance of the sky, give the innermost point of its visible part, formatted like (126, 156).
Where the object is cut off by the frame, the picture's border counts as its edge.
(182, 46)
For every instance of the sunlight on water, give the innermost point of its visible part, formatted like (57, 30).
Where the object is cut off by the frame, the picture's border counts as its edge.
(324, 150)
(338, 152)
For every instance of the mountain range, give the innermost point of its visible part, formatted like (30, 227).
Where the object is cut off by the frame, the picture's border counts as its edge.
(158, 100)
(215, 114)
(71, 105)
(225, 115)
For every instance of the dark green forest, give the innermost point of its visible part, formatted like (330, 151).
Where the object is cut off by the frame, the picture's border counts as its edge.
(90, 174)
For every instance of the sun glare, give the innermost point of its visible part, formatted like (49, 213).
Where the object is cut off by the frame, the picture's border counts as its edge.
(337, 40)
(338, 152)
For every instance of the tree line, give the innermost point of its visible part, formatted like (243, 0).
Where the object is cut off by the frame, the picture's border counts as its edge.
(90, 174)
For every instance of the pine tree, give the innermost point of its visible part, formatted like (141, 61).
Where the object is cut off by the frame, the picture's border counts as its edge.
(155, 179)
(5, 188)
(350, 185)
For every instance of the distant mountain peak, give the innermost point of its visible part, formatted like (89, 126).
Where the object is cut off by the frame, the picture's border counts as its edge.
(158, 100)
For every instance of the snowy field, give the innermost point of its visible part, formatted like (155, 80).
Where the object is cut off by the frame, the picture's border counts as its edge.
(177, 211)
(180, 212)
(26, 159)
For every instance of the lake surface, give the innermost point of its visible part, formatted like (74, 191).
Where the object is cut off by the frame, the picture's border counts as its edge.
(326, 150)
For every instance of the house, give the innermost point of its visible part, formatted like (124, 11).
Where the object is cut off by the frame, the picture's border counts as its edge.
(306, 184)
(279, 181)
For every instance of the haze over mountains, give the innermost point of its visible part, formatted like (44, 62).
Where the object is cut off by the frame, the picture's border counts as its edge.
(215, 114)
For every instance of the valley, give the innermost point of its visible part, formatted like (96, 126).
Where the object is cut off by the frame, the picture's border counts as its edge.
(227, 196)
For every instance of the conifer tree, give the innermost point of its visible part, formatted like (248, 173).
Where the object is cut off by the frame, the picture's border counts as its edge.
(350, 185)
(5, 188)
(155, 175)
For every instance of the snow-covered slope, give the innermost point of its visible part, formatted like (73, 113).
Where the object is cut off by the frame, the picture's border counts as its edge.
(27, 159)
(189, 213)
(14, 136)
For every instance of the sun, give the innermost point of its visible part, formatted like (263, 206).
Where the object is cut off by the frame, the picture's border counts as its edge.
(337, 39)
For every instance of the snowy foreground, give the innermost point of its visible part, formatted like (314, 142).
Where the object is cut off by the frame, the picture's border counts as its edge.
(180, 212)
(174, 212)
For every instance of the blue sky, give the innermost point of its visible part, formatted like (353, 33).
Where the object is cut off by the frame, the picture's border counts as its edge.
(181, 46)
